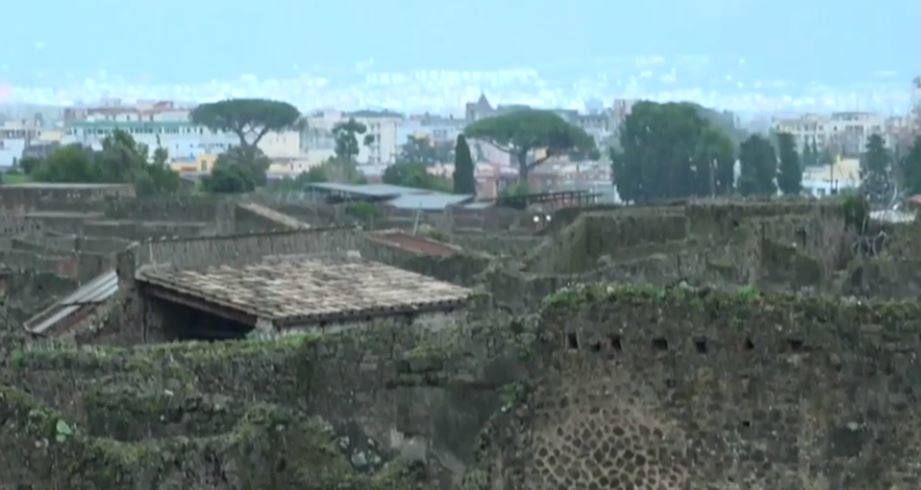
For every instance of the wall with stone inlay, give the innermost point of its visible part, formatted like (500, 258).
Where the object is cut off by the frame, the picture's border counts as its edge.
(650, 389)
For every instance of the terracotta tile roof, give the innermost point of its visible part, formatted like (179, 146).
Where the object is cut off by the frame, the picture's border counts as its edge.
(292, 290)
(413, 243)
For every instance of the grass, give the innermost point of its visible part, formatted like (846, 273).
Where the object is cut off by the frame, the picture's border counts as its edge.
(16, 178)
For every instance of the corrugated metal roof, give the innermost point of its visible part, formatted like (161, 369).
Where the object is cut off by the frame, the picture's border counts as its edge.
(90, 294)
(428, 202)
(368, 190)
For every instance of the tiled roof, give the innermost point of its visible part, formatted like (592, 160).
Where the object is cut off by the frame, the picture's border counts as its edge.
(413, 244)
(297, 290)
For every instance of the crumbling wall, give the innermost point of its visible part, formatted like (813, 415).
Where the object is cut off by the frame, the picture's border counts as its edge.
(388, 390)
(203, 251)
(269, 447)
(680, 388)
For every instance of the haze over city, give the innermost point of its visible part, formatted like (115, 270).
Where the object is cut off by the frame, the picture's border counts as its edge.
(413, 56)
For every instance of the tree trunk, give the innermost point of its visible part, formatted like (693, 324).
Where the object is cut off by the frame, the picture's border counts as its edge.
(523, 166)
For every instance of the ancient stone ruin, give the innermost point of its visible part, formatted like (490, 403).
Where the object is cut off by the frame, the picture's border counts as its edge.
(219, 343)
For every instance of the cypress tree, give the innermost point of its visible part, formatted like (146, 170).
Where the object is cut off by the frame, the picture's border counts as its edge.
(464, 181)
(789, 174)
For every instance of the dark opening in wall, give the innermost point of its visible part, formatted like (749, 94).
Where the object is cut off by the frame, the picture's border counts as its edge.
(700, 344)
(596, 347)
(748, 345)
(796, 345)
(616, 345)
(746, 423)
(572, 341)
(660, 344)
(801, 233)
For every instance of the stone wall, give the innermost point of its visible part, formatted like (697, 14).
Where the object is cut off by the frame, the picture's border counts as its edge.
(389, 392)
(24, 293)
(651, 388)
(21, 198)
(203, 251)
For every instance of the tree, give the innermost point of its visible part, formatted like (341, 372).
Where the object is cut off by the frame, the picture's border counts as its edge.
(713, 163)
(790, 173)
(414, 175)
(808, 158)
(419, 149)
(159, 178)
(28, 164)
(228, 179)
(342, 171)
(252, 164)
(313, 176)
(464, 178)
(671, 151)
(70, 163)
(758, 167)
(249, 119)
(122, 159)
(346, 137)
(911, 168)
(876, 172)
(522, 132)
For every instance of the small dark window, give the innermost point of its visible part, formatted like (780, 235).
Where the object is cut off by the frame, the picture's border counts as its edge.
(700, 344)
(660, 344)
(796, 345)
(746, 423)
(616, 344)
(749, 345)
(596, 347)
(572, 341)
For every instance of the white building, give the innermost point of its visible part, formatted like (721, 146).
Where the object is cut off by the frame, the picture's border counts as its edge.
(182, 140)
(378, 145)
(841, 132)
(437, 129)
(827, 180)
(282, 145)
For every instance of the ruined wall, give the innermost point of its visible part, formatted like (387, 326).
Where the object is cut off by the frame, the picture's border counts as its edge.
(202, 251)
(786, 245)
(24, 293)
(577, 247)
(389, 391)
(651, 388)
(268, 447)
(21, 198)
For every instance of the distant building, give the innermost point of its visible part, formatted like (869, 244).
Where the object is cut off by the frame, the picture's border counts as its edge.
(382, 146)
(25, 138)
(378, 145)
(201, 164)
(282, 145)
(844, 133)
(439, 130)
(183, 140)
(114, 110)
(479, 109)
(827, 180)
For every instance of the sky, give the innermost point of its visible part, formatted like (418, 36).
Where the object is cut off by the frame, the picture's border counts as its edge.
(750, 56)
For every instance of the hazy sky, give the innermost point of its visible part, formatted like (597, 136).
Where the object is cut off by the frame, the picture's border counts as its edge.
(415, 55)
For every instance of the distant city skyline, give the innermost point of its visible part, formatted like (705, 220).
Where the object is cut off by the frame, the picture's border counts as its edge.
(742, 55)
